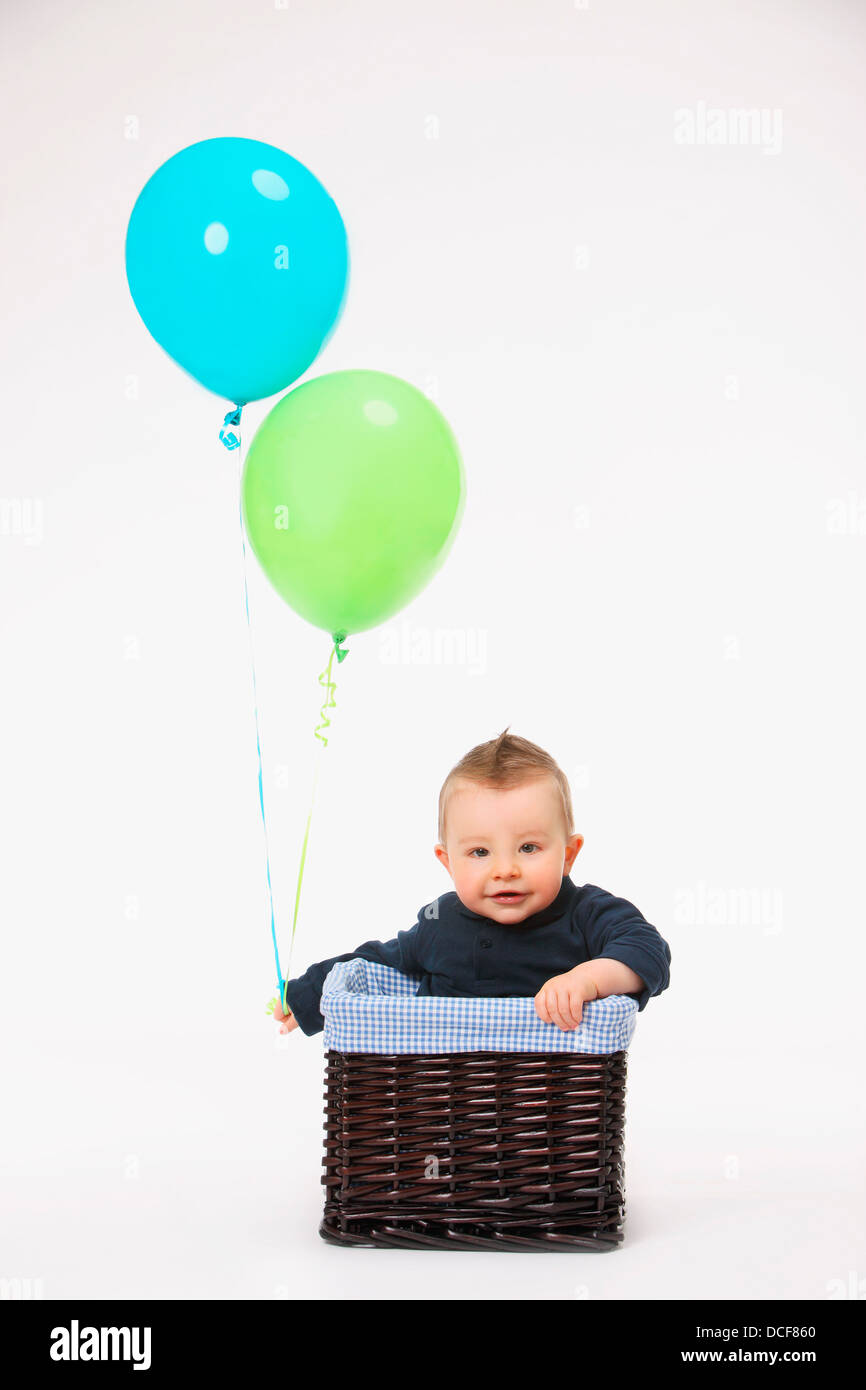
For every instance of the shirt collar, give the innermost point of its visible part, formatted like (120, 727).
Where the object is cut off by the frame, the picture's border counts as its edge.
(557, 908)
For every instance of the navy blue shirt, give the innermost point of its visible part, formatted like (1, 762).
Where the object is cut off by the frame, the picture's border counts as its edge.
(460, 952)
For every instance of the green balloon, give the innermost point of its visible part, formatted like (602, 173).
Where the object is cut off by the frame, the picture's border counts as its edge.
(353, 491)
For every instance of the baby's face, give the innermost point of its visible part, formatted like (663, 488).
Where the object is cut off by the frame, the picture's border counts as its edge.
(507, 842)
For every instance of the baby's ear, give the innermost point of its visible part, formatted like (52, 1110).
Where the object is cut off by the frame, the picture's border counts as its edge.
(573, 847)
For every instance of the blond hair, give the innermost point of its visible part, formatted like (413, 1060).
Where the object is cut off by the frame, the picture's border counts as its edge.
(504, 762)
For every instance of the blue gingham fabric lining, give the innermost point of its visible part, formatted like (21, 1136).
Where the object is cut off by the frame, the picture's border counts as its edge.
(370, 1007)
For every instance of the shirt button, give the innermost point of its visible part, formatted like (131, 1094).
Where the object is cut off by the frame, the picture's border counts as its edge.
(485, 941)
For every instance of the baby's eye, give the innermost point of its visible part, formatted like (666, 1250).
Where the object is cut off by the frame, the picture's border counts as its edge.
(481, 850)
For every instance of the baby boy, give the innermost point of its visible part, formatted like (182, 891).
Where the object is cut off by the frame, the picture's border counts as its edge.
(516, 924)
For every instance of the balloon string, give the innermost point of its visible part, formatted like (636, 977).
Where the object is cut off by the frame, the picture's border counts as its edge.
(234, 434)
(230, 436)
(328, 703)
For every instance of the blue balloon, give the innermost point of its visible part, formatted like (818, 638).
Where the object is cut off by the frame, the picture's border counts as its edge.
(238, 262)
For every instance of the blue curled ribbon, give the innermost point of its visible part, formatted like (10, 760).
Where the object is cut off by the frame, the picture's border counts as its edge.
(231, 424)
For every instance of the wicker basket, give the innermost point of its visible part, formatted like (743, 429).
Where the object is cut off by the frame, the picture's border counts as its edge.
(496, 1143)
(475, 1151)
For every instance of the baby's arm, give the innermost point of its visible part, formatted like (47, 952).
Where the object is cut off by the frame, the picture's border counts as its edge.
(614, 930)
(303, 994)
(562, 998)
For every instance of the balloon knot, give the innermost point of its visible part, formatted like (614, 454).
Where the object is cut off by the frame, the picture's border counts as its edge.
(230, 433)
(340, 637)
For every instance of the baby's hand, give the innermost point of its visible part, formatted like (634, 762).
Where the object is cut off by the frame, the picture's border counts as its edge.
(562, 998)
(286, 1021)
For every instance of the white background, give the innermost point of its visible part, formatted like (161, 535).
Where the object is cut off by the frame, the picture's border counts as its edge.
(652, 355)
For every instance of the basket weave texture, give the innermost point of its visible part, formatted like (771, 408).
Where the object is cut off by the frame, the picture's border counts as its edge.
(483, 1150)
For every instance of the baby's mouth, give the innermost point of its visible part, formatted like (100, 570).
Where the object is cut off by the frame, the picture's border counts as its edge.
(508, 897)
